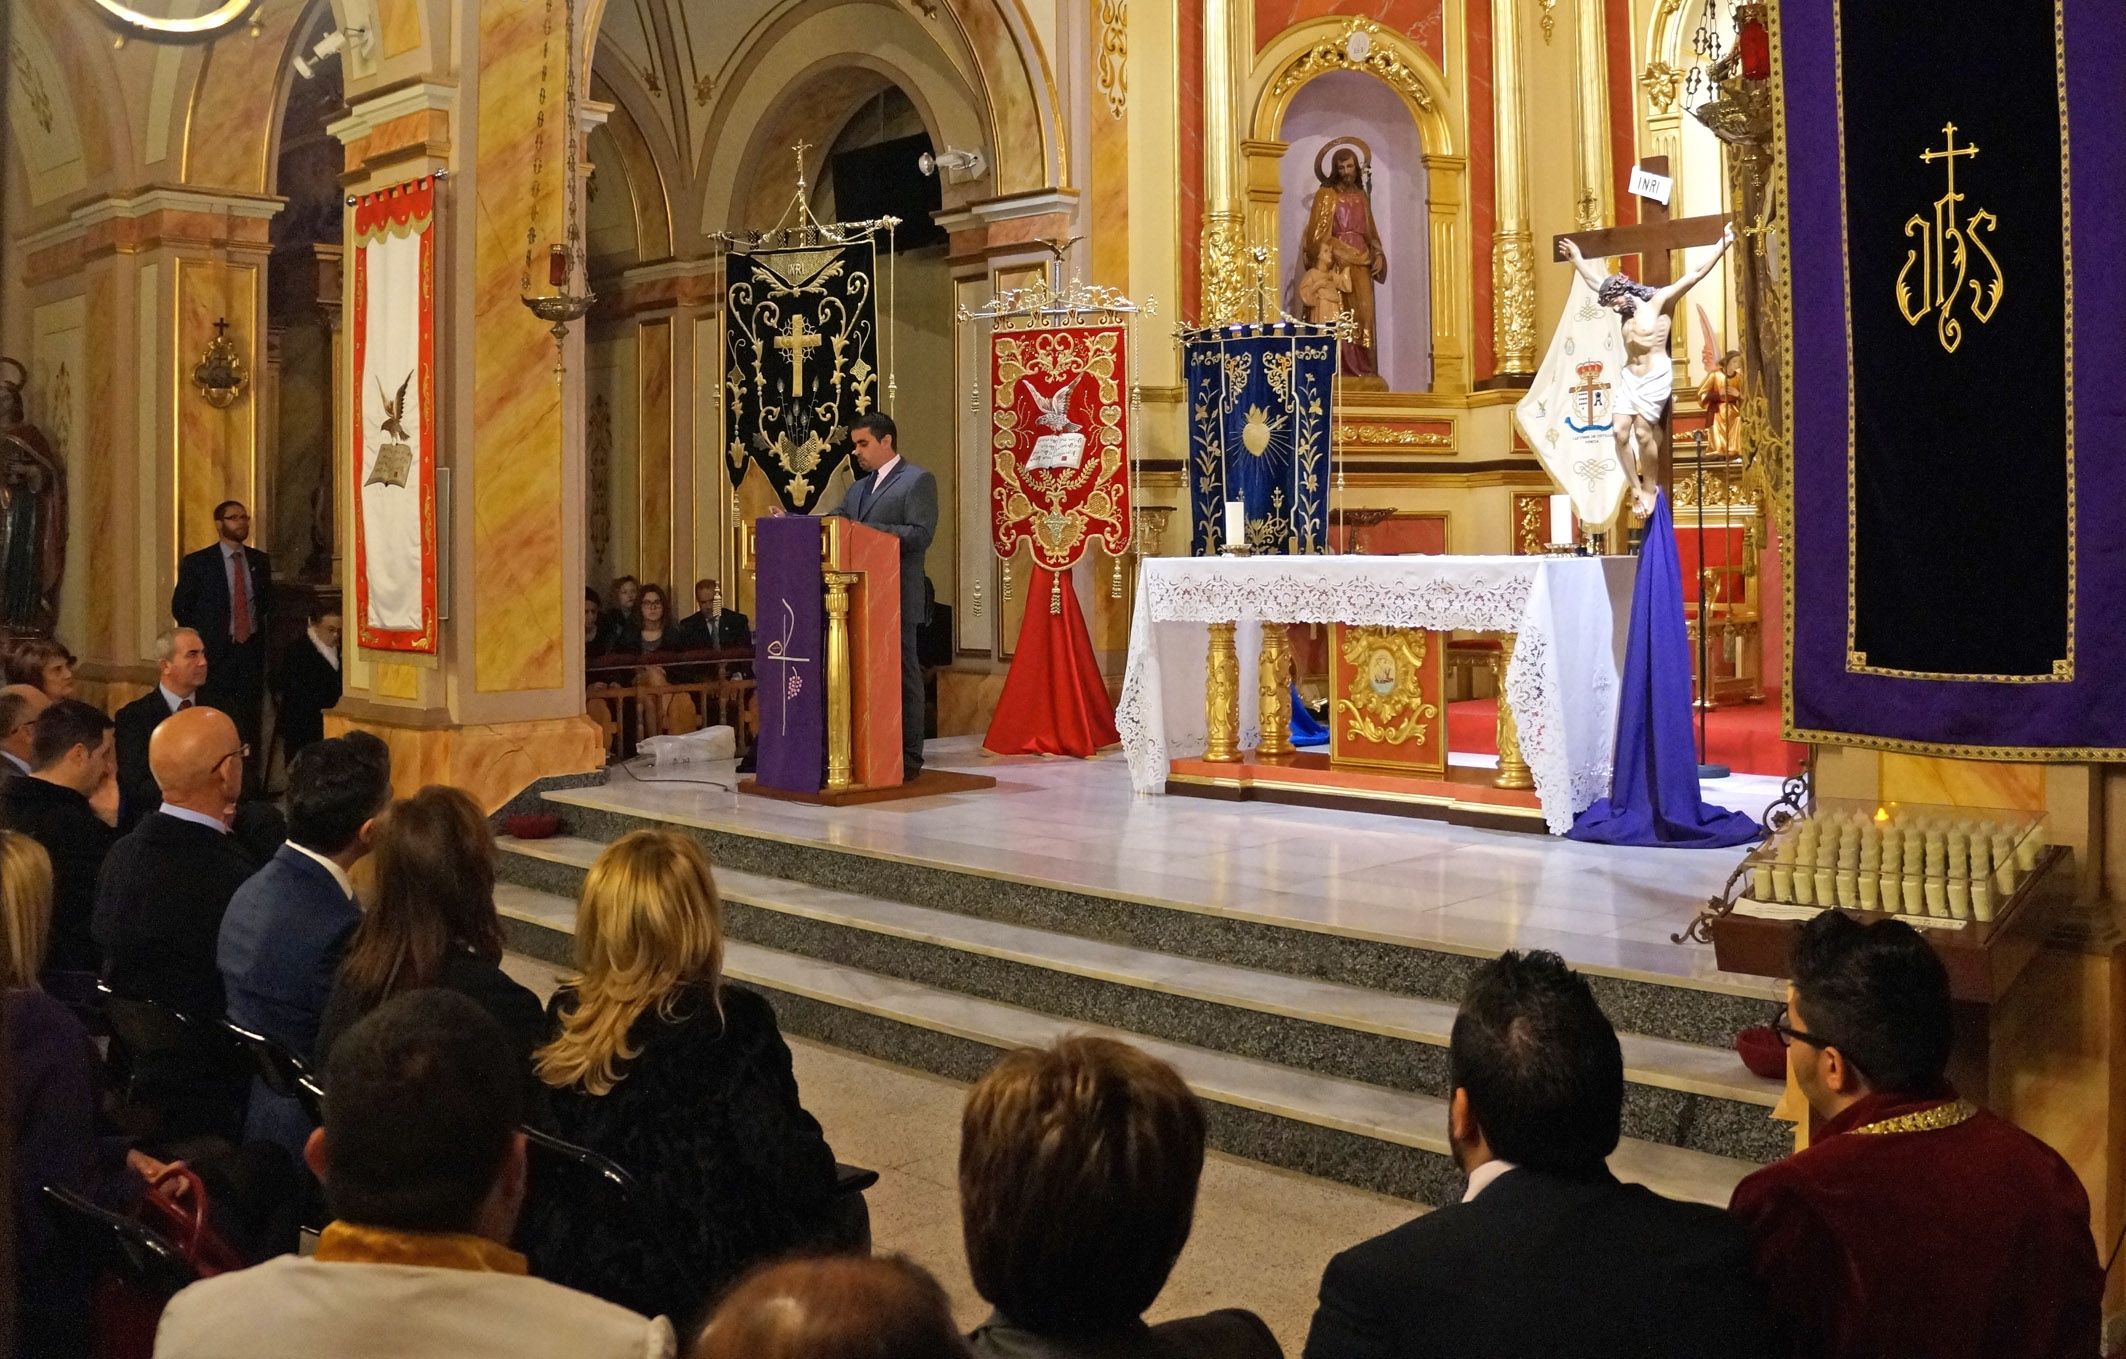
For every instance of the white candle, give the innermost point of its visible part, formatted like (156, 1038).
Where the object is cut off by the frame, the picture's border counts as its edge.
(1561, 521)
(1236, 523)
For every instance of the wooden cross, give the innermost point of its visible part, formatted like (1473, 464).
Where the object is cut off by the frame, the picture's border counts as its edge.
(1654, 240)
(795, 342)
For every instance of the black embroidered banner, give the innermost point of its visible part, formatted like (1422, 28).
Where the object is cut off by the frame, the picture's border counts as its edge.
(1952, 135)
(1954, 197)
(800, 363)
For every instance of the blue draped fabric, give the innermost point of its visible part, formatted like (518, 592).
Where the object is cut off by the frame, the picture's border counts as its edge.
(1259, 418)
(1653, 791)
(1307, 729)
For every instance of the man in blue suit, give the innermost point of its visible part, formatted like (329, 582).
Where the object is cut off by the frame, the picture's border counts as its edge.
(287, 926)
(897, 497)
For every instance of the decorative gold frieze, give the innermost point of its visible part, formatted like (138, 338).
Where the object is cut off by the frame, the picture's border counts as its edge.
(1663, 83)
(1355, 49)
(1513, 285)
(1225, 273)
(1112, 65)
(1388, 434)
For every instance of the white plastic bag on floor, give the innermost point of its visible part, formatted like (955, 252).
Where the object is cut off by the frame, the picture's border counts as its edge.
(696, 747)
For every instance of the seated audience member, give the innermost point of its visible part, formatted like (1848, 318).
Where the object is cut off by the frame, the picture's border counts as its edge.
(51, 1072)
(42, 663)
(432, 922)
(711, 627)
(837, 1307)
(596, 642)
(621, 615)
(651, 629)
(1546, 1254)
(66, 805)
(168, 881)
(20, 707)
(686, 1082)
(423, 1165)
(307, 681)
(181, 668)
(286, 928)
(1078, 1172)
(1914, 1223)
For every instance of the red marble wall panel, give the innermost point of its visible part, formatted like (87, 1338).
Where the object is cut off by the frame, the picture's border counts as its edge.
(1481, 190)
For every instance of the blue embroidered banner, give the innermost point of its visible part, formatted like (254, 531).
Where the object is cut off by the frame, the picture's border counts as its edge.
(1259, 420)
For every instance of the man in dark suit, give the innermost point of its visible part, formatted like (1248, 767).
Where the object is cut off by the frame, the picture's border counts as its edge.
(285, 929)
(20, 707)
(222, 593)
(181, 670)
(67, 803)
(167, 883)
(899, 498)
(307, 681)
(711, 627)
(1546, 1254)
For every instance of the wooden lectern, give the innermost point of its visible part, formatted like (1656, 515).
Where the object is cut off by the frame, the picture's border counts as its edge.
(828, 659)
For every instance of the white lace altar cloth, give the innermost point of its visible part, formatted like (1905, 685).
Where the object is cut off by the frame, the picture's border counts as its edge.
(1562, 683)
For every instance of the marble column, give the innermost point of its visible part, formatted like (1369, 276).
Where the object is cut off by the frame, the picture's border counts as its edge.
(500, 704)
(1228, 51)
(1592, 195)
(1513, 257)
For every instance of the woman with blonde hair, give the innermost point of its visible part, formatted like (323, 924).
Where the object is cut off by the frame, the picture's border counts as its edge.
(52, 1111)
(432, 921)
(685, 1081)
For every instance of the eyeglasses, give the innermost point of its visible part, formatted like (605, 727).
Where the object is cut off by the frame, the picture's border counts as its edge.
(242, 752)
(1789, 1035)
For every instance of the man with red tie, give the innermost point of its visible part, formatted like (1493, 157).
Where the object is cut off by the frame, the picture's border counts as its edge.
(222, 593)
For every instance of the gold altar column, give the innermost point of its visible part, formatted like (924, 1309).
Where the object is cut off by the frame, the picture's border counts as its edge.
(1513, 770)
(1591, 166)
(1221, 698)
(841, 732)
(1272, 678)
(1228, 51)
(1513, 245)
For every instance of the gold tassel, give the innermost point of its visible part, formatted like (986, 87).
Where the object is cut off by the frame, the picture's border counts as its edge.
(1007, 577)
(1114, 589)
(1055, 593)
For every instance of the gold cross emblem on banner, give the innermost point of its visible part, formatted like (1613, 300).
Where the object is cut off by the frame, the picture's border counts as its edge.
(1944, 256)
(795, 340)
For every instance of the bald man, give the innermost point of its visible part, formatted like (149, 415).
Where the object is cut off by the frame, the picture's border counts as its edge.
(168, 881)
(20, 707)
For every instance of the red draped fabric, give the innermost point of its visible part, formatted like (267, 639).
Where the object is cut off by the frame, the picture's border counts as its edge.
(1054, 702)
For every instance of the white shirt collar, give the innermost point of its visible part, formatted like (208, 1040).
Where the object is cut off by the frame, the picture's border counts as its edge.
(878, 478)
(196, 818)
(171, 700)
(1480, 1178)
(231, 551)
(330, 653)
(339, 875)
(9, 757)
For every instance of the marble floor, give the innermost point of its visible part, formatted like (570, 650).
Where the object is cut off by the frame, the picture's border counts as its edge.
(1076, 822)
(1261, 1239)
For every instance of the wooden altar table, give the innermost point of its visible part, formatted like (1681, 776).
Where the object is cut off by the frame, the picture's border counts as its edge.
(1187, 694)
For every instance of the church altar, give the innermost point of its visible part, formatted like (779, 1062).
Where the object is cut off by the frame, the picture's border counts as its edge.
(1195, 616)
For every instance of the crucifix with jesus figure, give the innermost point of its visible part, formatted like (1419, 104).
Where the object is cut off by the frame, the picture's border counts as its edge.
(1640, 405)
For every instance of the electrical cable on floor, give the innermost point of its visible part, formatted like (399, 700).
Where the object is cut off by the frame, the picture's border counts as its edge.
(628, 768)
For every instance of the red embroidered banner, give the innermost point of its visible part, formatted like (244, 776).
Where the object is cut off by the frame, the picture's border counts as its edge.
(394, 414)
(1059, 441)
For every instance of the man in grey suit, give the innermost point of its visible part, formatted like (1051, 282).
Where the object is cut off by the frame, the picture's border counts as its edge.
(897, 497)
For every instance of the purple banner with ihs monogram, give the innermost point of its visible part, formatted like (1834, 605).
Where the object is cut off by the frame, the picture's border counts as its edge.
(790, 651)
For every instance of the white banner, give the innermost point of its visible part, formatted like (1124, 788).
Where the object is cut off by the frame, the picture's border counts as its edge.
(394, 453)
(1566, 416)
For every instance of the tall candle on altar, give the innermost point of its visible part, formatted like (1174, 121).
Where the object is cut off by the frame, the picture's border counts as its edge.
(1236, 523)
(1561, 521)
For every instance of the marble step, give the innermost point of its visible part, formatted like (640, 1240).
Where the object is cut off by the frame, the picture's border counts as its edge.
(1676, 1093)
(1390, 1141)
(1099, 905)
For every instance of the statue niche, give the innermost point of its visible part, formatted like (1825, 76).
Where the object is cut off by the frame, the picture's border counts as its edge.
(1340, 250)
(32, 516)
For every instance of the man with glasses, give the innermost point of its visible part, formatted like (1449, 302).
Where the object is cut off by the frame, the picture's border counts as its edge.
(223, 594)
(1915, 1223)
